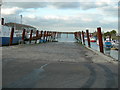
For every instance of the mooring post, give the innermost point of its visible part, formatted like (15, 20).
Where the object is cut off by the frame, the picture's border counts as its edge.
(41, 36)
(23, 35)
(54, 35)
(100, 40)
(37, 32)
(2, 21)
(75, 35)
(83, 38)
(46, 35)
(51, 36)
(80, 37)
(11, 36)
(88, 38)
(31, 35)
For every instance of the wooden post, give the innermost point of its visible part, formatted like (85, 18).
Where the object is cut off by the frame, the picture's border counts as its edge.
(75, 35)
(83, 37)
(47, 36)
(80, 37)
(41, 34)
(37, 32)
(23, 35)
(11, 36)
(44, 36)
(2, 21)
(88, 38)
(51, 33)
(100, 40)
(31, 35)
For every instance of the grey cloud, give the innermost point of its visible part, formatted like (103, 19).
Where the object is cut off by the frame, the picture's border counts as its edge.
(45, 24)
(91, 5)
(58, 5)
(66, 5)
(25, 5)
(110, 10)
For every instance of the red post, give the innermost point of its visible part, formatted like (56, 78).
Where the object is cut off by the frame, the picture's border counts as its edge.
(11, 36)
(31, 35)
(2, 21)
(88, 38)
(80, 35)
(47, 36)
(100, 40)
(23, 34)
(37, 32)
(41, 34)
(83, 37)
(75, 35)
(44, 35)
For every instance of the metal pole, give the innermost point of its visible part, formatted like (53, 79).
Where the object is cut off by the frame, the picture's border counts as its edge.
(88, 38)
(21, 18)
(100, 40)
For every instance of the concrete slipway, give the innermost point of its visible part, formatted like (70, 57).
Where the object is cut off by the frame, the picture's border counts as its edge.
(57, 65)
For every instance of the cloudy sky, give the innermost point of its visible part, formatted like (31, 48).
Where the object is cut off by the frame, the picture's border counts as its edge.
(63, 16)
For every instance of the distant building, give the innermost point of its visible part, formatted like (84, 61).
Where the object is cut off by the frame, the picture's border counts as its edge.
(20, 27)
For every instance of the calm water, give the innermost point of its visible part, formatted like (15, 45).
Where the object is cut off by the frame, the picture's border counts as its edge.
(70, 38)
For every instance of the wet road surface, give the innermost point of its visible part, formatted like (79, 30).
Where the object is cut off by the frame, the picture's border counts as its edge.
(56, 65)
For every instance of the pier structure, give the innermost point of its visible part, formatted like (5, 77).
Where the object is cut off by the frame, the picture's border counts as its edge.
(80, 36)
(57, 64)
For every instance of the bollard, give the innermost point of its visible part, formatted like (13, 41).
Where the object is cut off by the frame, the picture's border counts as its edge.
(83, 38)
(88, 38)
(23, 35)
(11, 36)
(37, 32)
(31, 36)
(100, 40)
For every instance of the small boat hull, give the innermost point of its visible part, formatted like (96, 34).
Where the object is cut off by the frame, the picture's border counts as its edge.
(108, 44)
(6, 40)
(92, 40)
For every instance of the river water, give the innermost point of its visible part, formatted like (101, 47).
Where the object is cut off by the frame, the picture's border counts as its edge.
(70, 38)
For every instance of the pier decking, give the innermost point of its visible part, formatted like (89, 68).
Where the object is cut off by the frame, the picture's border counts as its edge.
(56, 65)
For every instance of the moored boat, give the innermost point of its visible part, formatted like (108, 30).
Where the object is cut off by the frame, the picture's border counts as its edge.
(92, 39)
(5, 36)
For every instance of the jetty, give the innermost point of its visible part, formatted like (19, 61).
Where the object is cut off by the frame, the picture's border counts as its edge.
(41, 61)
(58, 65)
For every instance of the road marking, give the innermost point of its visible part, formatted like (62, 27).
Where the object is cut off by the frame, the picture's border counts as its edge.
(29, 80)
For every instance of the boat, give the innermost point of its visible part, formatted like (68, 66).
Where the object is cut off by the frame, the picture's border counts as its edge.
(108, 43)
(85, 38)
(5, 36)
(92, 39)
(115, 44)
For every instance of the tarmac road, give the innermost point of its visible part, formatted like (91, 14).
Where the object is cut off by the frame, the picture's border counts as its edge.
(56, 65)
